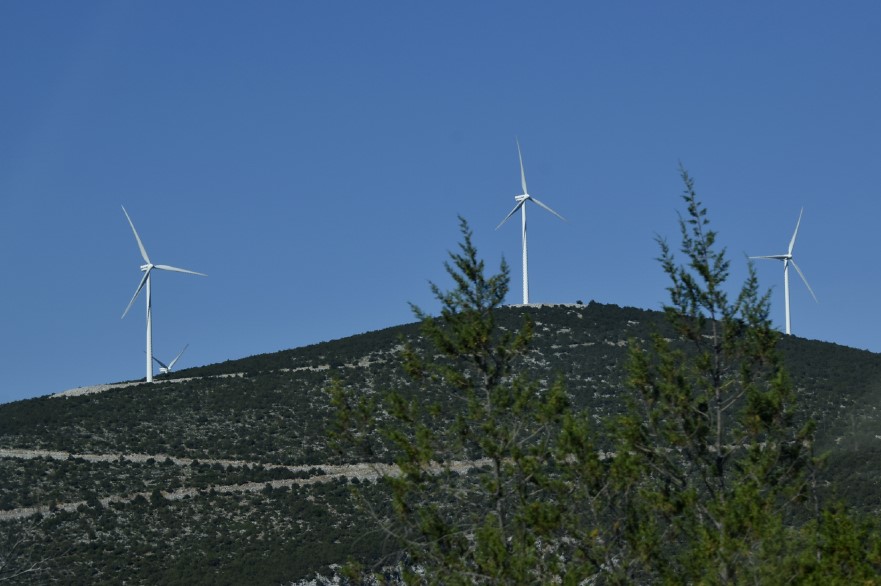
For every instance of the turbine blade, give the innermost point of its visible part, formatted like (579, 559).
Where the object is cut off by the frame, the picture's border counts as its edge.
(794, 234)
(137, 291)
(522, 172)
(548, 209)
(516, 207)
(171, 364)
(157, 361)
(772, 257)
(802, 275)
(177, 270)
(138, 238)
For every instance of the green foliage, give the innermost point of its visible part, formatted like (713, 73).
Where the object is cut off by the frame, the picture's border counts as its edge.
(723, 475)
(710, 478)
(722, 468)
(484, 526)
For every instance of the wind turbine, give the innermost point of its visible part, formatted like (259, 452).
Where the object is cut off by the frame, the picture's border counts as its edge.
(787, 260)
(166, 368)
(521, 205)
(145, 280)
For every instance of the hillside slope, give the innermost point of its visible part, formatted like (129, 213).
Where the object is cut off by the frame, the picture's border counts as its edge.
(228, 474)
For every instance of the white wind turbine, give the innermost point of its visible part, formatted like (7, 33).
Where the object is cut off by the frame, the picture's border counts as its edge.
(787, 260)
(147, 269)
(521, 205)
(166, 368)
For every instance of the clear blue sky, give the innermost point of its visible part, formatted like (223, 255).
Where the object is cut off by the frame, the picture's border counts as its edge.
(312, 157)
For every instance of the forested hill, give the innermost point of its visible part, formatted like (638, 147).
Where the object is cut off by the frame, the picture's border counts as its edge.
(226, 475)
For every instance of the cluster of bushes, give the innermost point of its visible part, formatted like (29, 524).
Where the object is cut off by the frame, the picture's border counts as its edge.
(270, 537)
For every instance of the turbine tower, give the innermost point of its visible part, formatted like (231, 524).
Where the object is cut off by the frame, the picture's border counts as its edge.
(521, 205)
(166, 368)
(145, 280)
(787, 260)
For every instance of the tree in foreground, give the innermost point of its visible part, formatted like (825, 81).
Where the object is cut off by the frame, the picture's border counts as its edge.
(475, 501)
(721, 467)
(707, 477)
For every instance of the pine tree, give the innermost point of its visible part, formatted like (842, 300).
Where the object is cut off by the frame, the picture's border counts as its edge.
(483, 526)
(722, 467)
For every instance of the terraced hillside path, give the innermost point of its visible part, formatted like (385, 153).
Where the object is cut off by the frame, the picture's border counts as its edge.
(369, 471)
